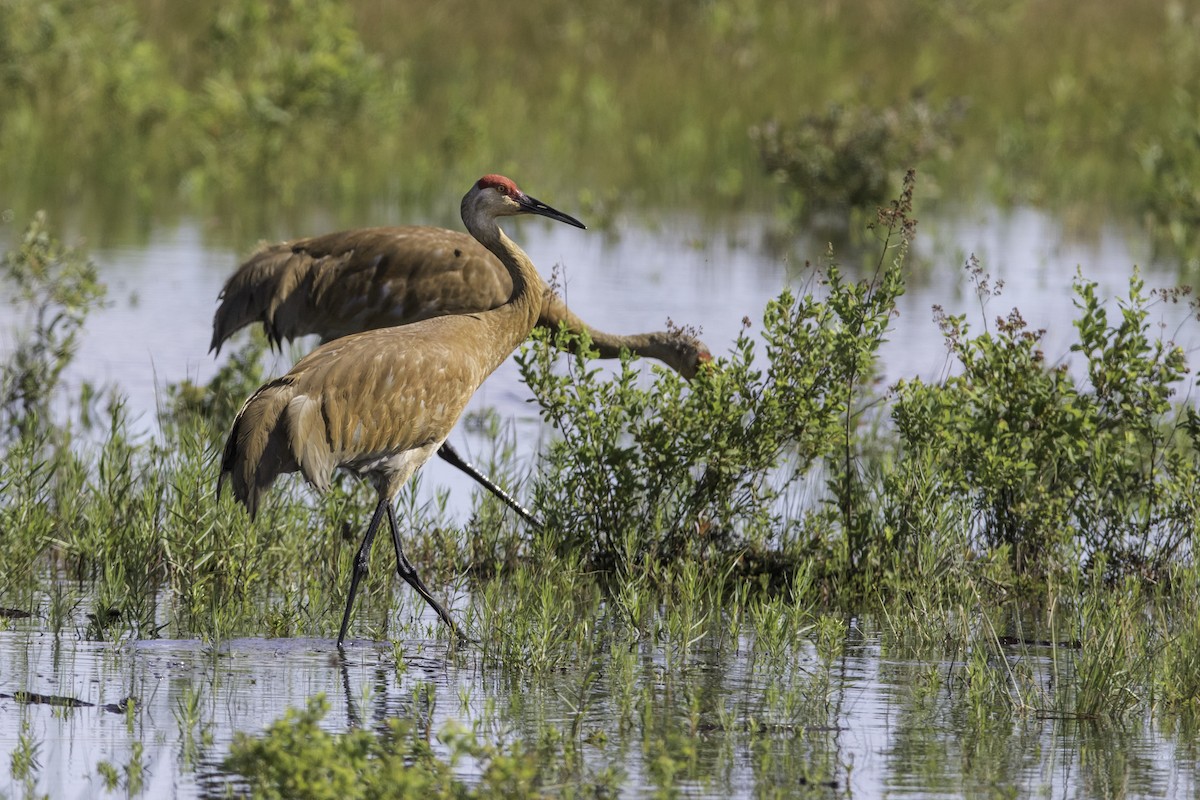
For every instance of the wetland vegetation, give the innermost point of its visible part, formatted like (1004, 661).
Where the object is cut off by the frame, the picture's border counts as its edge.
(249, 110)
(1019, 535)
(735, 572)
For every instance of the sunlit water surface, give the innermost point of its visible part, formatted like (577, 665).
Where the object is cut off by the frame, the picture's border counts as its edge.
(879, 739)
(881, 736)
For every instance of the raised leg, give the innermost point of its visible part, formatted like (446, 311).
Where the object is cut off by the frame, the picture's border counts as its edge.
(361, 563)
(450, 454)
(411, 577)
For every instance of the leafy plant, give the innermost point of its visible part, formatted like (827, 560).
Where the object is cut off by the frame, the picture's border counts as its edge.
(1050, 464)
(850, 158)
(57, 286)
(674, 472)
(297, 758)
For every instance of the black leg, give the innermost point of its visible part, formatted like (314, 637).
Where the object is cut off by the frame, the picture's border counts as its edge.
(411, 577)
(450, 454)
(361, 562)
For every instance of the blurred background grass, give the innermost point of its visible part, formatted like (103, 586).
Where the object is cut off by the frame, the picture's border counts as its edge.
(249, 109)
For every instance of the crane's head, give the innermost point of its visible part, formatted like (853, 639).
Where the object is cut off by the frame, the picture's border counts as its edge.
(497, 196)
(679, 350)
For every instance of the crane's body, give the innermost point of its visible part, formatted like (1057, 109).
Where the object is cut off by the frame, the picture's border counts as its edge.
(368, 278)
(367, 402)
(380, 403)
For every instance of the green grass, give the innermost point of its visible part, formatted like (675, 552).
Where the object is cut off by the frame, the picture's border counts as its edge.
(249, 110)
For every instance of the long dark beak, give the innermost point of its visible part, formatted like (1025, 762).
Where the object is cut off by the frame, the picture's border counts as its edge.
(533, 206)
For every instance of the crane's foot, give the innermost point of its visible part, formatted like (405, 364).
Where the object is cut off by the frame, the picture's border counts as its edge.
(409, 573)
(464, 640)
(411, 577)
(461, 636)
(451, 455)
(362, 561)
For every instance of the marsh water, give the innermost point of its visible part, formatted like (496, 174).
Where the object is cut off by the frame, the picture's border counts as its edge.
(869, 722)
(878, 730)
(867, 718)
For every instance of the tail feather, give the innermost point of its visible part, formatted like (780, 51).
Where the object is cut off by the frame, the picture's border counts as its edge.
(257, 450)
(258, 291)
(308, 440)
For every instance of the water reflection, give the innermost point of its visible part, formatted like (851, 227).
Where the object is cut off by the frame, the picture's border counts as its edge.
(732, 725)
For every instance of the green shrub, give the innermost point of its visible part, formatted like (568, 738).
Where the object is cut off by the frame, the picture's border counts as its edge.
(1111, 466)
(850, 158)
(280, 81)
(56, 286)
(88, 99)
(1169, 194)
(675, 471)
(1171, 199)
(297, 758)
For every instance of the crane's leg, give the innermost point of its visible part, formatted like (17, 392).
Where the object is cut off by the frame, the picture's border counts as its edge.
(411, 577)
(361, 562)
(450, 454)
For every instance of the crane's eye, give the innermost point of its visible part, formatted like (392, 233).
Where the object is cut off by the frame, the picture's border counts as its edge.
(502, 189)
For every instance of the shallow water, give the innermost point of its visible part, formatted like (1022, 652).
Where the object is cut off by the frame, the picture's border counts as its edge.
(874, 732)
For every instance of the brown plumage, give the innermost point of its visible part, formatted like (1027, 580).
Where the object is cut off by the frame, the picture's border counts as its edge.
(357, 280)
(381, 402)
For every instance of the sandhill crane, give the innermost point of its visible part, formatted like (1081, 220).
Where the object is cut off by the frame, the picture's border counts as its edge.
(381, 402)
(356, 280)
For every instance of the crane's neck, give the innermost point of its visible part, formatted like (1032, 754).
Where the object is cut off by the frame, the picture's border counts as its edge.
(516, 317)
(657, 345)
